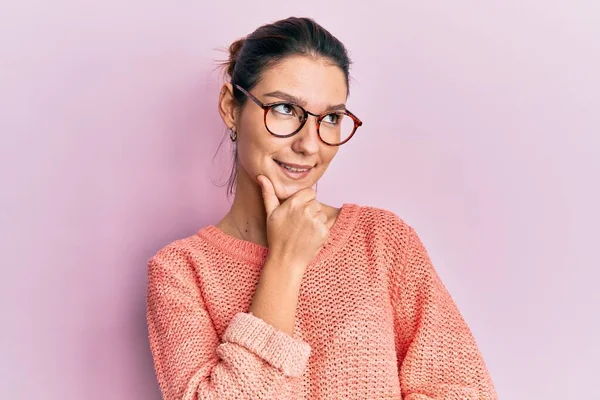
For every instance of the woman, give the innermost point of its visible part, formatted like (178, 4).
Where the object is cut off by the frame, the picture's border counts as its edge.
(290, 298)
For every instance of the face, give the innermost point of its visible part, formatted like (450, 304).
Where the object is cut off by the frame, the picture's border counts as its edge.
(318, 85)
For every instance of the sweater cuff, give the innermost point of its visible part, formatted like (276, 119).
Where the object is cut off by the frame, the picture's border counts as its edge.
(276, 347)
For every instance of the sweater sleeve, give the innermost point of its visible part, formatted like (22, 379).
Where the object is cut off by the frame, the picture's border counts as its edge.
(250, 361)
(437, 354)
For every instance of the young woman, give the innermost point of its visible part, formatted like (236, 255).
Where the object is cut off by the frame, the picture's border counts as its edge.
(290, 298)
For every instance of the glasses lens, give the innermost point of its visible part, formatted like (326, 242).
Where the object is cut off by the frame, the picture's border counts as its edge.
(336, 128)
(284, 119)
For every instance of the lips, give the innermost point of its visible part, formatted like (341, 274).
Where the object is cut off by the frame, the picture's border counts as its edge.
(294, 171)
(294, 167)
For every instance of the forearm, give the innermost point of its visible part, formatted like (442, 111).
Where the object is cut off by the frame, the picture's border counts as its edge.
(276, 296)
(250, 360)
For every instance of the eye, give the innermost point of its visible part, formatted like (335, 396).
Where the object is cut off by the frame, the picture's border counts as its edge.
(333, 119)
(284, 109)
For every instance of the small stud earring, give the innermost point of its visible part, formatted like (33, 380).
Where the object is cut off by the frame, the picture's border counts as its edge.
(232, 135)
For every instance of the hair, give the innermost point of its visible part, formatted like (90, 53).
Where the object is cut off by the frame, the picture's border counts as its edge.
(268, 45)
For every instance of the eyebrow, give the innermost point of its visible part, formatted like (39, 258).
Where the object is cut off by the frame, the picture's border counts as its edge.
(301, 102)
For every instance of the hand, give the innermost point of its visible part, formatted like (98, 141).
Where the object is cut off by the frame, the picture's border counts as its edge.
(296, 228)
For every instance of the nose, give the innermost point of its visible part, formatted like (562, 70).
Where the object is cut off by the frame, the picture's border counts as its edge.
(307, 141)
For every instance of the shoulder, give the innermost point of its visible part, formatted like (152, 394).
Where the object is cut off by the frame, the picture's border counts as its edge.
(394, 237)
(381, 221)
(380, 228)
(179, 254)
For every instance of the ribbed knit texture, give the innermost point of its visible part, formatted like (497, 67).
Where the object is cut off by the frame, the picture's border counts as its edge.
(374, 321)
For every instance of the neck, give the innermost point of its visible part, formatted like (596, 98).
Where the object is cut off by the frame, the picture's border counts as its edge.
(247, 213)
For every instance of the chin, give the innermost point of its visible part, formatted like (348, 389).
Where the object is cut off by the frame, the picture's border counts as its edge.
(284, 192)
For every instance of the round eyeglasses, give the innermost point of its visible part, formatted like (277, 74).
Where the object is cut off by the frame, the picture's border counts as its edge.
(285, 119)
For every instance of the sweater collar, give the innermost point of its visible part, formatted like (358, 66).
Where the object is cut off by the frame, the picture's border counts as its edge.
(253, 253)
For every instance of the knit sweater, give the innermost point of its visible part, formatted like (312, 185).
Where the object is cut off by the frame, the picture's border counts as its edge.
(374, 320)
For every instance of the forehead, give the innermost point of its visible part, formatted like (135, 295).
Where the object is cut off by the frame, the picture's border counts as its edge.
(316, 80)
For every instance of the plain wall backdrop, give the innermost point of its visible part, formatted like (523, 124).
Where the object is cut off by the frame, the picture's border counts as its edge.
(481, 129)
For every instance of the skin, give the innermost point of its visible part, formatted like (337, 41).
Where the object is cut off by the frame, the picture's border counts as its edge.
(269, 208)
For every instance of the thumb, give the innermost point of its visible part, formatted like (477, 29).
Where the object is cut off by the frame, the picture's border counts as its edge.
(268, 193)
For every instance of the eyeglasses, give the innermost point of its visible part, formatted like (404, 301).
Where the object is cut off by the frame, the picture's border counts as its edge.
(285, 119)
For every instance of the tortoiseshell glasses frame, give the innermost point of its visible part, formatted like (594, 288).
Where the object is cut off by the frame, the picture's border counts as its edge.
(267, 107)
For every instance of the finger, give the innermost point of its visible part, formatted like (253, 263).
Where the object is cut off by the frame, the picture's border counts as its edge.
(322, 217)
(268, 193)
(303, 196)
(313, 207)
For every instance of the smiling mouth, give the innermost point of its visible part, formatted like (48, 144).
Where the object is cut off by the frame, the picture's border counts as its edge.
(294, 167)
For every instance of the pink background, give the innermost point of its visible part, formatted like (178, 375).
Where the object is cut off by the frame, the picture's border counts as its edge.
(481, 130)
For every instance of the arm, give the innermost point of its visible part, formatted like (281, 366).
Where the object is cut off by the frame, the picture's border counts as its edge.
(276, 297)
(437, 354)
(251, 360)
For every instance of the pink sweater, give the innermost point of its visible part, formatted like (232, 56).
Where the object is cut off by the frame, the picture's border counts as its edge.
(374, 321)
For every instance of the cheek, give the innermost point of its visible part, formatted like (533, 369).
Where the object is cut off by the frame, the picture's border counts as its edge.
(328, 154)
(249, 155)
(254, 151)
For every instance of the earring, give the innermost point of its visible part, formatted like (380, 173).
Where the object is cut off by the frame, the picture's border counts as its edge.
(232, 135)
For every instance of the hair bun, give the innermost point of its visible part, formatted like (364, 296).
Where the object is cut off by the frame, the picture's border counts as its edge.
(234, 50)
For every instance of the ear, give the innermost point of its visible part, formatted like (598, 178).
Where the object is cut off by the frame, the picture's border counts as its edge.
(227, 106)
